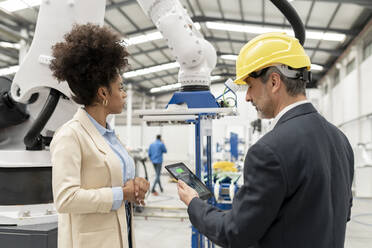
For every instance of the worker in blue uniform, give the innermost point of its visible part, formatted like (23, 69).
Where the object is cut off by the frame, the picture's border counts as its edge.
(156, 150)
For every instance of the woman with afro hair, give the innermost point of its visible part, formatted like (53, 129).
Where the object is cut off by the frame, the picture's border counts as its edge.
(93, 174)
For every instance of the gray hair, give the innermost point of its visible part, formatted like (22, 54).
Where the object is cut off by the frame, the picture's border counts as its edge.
(294, 86)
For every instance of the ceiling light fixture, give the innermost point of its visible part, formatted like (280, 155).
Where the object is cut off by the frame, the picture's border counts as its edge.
(165, 88)
(143, 38)
(148, 37)
(254, 29)
(229, 56)
(151, 69)
(15, 5)
(316, 67)
(10, 45)
(9, 70)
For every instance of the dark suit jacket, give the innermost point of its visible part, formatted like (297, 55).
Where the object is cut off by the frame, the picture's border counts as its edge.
(296, 192)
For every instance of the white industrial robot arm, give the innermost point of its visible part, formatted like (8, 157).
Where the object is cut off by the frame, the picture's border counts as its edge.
(196, 56)
(48, 101)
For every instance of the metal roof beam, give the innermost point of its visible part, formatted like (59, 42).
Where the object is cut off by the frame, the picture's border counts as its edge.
(9, 53)
(149, 50)
(239, 21)
(350, 32)
(334, 52)
(20, 21)
(116, 5)
(328, 25)
(15, 36)
(7, 62)
(365, 3)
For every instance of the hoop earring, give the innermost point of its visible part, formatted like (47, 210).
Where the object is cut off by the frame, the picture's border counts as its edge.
(105, 102)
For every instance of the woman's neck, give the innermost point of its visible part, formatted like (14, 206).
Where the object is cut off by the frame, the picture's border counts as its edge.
(98, 113)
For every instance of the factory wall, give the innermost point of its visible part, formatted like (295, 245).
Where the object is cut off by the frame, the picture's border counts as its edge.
(346, 99)
(176, 139)
(347, 102)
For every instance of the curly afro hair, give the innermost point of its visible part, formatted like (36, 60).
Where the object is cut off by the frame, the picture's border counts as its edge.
(90, 57)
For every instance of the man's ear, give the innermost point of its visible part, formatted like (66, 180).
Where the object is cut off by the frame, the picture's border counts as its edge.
(276, 82)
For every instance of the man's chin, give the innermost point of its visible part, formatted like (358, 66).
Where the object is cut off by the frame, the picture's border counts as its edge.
(260, 115)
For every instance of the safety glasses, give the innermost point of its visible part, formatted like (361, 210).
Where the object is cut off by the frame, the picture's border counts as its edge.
(257, 74)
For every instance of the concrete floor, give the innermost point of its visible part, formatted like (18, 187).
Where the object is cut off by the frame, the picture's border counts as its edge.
(359, 229)
(174, 231)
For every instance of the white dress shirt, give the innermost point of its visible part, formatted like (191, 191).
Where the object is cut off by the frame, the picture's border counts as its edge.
(285, 110)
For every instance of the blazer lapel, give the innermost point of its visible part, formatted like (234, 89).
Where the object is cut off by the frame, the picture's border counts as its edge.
(302, 109)
(111, 159)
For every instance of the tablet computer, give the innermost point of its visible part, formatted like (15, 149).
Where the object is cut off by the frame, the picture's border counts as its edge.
(180, 171)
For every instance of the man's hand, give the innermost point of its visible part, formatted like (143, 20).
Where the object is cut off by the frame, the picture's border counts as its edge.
(185, 192)
(143, 186)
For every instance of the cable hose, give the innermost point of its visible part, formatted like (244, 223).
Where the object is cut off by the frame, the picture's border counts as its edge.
(33, 135)
(293, 18)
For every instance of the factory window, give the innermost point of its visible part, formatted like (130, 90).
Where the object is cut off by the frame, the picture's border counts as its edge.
(337, 77)
(350, 66)
(367, 51)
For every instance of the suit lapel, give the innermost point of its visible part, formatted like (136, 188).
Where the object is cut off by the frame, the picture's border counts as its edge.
(111, 159)
(302, 109)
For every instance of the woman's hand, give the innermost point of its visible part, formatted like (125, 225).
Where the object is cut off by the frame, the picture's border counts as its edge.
(143, 186)
(130, 191)
(135, 190)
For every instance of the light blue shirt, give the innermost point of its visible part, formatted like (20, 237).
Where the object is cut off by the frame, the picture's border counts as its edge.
(127, 163)
(156, 150)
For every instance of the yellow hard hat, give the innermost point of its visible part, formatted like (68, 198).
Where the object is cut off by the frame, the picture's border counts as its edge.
(267, 49)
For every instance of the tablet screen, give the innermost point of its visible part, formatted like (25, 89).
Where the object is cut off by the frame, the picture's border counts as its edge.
(180, 171)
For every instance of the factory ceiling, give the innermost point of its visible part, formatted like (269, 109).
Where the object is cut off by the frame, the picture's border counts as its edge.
(330, 27)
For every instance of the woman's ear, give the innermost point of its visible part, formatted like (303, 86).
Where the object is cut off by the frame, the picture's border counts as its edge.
(102, 93)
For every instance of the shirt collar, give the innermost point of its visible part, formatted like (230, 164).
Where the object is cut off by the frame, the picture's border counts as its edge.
(99, 127)
(285, 110)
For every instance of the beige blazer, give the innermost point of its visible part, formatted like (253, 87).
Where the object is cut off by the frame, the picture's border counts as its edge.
(84, 171)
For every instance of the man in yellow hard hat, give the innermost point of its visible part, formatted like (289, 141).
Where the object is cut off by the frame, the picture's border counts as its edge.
(297, 177)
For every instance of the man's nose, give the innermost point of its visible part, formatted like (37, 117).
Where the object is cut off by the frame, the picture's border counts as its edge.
(248, 97)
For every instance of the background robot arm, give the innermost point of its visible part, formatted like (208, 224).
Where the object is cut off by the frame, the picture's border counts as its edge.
(48, 101)
(196, 56)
